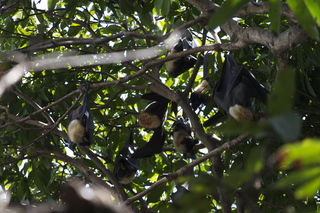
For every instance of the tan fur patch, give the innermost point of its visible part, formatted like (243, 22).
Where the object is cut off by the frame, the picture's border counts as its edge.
(202, 87)
(148, 120)
(76, 131)
(241, 113)
(178, 141)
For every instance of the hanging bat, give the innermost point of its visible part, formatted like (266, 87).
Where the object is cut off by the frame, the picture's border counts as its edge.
(178, 66)
(235, 89)
(126, 166)
(155, 113)
(182, 140)
(182, 190)
(198, 96)
(154, 146)
(80, 123)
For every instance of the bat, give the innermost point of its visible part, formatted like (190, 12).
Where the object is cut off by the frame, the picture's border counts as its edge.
(154, 146)
(178, 66)
(126, 166)
(198, 96)
(155, 113)
(235, 89)
(182, 190)
(182, 140)
(80, 123)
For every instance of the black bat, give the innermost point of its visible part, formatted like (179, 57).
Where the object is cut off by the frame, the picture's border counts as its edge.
(155, 113)
(126, 166)
(80, 123)
(182, 140)
(178, 66)
(235, 89)
(182, 190)
(198, 96)
(154, 146)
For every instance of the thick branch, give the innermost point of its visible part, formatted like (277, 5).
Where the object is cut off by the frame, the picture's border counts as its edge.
(184, 169)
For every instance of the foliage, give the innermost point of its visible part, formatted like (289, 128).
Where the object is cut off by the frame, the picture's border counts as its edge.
(274, 169)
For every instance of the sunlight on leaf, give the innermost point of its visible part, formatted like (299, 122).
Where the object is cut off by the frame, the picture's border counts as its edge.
(314, 8)
(304, 17)
(299, 154)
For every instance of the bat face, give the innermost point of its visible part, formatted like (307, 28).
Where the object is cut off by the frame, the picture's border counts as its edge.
(236, 88)
(126, 166)
(182, 139)
(154, 146)
(183, 142)
(126, 170)
(180, 65)
(80, 124)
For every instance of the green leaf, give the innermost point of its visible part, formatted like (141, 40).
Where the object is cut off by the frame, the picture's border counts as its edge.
(301, 154)
(165, 7)
(52, 4)
(158, 5)
(310, 188)
(281, 98)
(227, 10)
(287, 125)
(235, 127)
(314, 8)
(304, 17)
(275, 15)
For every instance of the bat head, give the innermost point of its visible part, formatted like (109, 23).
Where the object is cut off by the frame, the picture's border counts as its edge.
(126, 170)
(182, 139)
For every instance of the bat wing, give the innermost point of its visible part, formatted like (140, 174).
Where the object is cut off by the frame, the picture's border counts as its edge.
(125, 166)
(154, 146)
(221, 92)
(152, 96)
(181, 65)
(87, 120)
(247, 87)
(197, 96)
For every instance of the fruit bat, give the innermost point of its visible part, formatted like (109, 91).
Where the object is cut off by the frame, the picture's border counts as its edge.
(182, 190)
(235, 89)
(197, 96)
(182, 140)
(155, 113)
(80, 123)
(126, 166)
(178, 66)
(154, 146)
